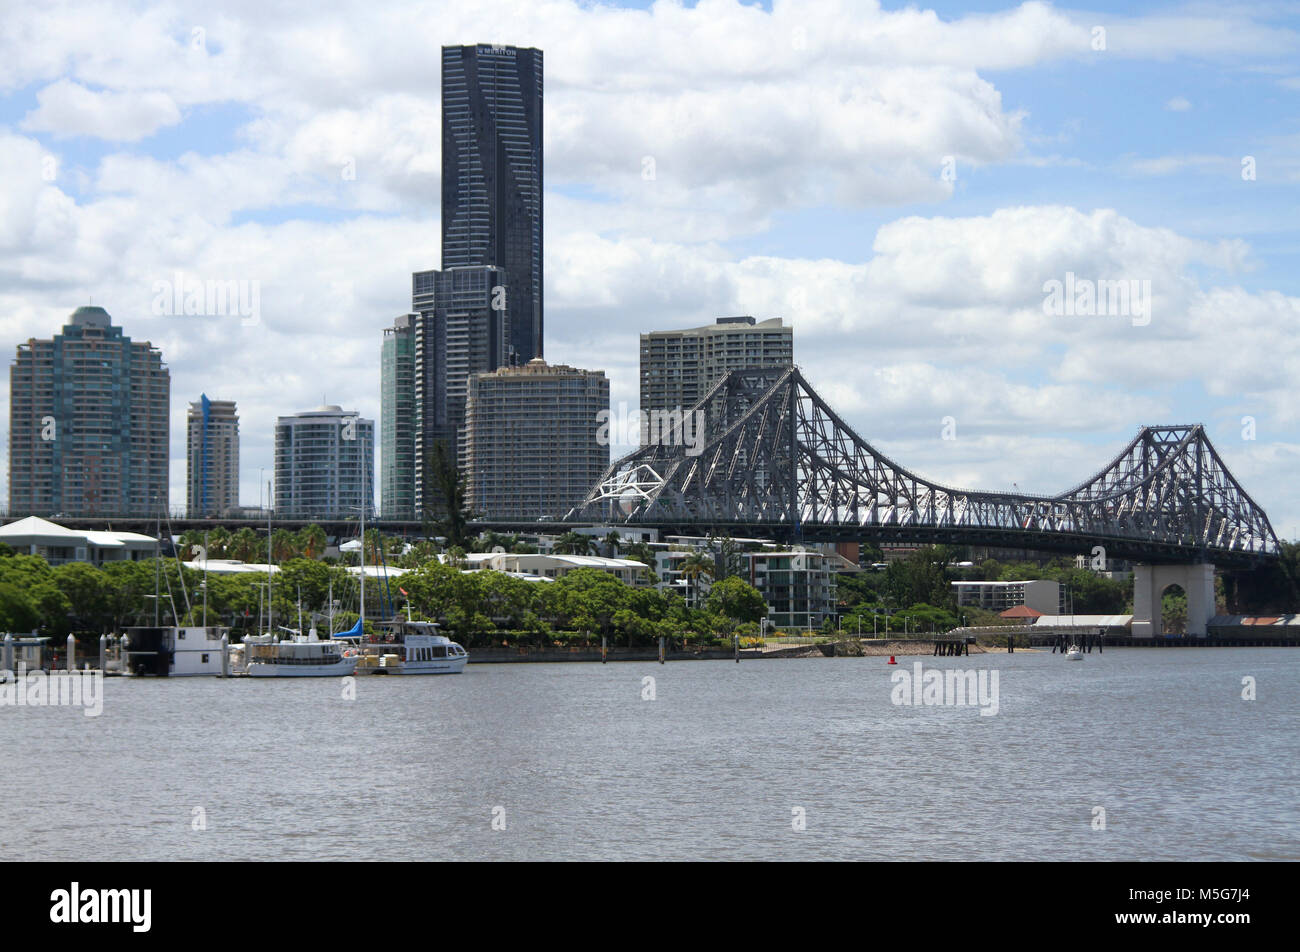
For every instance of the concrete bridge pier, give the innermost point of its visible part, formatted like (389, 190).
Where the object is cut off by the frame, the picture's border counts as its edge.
(1149, 584)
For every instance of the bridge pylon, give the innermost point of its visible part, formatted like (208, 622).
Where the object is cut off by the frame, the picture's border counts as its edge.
(1149, 585)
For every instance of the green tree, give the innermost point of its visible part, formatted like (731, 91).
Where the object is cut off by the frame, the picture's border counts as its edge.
(736, 599)
(246, 546)
(218, 541)
(311, 541)
(450, 515)
(32, 576)
(89, 594)
(284, 545)
(17, 613)
(728, 557)
(575, 543)
(129, 583)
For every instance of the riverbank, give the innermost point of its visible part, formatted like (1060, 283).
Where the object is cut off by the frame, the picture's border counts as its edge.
(823, 649)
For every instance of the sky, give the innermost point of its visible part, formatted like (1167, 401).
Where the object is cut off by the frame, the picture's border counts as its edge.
(902, 184)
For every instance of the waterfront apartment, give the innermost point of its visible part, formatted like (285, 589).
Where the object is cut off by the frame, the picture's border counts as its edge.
(324, 463)
(541, 567)
(1042, 595)
(678, 367)
(532, 439)
(798, 585)
(212, 451)
(88, 422)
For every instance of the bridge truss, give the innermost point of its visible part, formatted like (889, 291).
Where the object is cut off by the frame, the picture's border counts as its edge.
(776, 460)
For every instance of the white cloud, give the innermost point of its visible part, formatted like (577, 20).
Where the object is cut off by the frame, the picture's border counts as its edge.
(1178, 104)
(65, 109)
(747, 112)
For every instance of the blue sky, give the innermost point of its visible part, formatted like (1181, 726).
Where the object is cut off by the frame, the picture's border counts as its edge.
(800, 150)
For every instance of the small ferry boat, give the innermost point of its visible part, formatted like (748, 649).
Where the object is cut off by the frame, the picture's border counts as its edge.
(1074, 653)
(403, 646)
(299, 656)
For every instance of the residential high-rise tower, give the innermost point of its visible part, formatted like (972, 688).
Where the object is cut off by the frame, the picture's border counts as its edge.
(212, 450)
(88, 423)
(532, 439)
(324, 464)
(397, 421)
(678, 367)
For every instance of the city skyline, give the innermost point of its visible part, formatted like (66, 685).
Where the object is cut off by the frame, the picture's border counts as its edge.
(934, 269)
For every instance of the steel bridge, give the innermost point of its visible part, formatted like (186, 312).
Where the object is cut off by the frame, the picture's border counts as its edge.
(776, 460)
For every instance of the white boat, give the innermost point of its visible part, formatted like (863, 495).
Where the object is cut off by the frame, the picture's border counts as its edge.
(408, 647)
(1074, 653)
(299, 656)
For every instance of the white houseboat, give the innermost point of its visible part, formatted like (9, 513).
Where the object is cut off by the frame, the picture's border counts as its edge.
(174, 652)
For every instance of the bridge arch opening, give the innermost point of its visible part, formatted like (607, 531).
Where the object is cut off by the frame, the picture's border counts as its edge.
(1173, 609)
(1173, 599)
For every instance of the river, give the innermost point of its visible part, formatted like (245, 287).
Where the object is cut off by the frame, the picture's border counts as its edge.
(766, 759)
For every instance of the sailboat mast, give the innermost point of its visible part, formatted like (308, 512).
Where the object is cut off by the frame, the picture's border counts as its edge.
(363, 566)
(270, 626)
(157, 564)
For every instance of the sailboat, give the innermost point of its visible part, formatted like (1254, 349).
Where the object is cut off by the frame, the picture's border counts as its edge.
(299, 655)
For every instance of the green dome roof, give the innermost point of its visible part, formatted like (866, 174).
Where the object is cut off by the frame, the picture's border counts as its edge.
(91, 316)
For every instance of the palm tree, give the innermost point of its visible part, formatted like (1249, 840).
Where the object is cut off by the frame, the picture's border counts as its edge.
(614, 541)
(284, 545)
(218, 541)
(189, 539)
(575, 543)
(312, 541)
(692, 567)
(489, 540)
(244, 545)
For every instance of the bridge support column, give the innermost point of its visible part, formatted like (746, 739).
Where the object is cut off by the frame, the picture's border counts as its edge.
(1149, 584)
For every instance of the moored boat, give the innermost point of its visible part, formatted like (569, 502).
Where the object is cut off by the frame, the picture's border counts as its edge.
(300, 656)
(407, 647)
(174, 651)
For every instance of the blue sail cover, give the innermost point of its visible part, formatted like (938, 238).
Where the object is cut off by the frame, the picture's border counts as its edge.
(355, 631)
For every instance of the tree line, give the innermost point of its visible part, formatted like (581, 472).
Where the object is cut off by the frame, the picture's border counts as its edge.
(477, 608)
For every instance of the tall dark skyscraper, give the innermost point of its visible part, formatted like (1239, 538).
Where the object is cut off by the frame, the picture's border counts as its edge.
(483, 309)
(492, 176)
